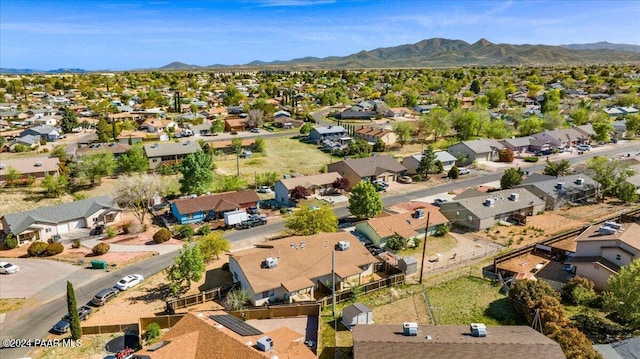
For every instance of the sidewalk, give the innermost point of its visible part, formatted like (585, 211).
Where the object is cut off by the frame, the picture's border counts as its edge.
(126, 248)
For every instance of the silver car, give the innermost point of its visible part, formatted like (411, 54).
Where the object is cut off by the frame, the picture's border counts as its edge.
(8, 268)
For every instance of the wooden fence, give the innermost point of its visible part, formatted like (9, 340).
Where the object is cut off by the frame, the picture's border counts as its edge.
(199, 298)
(164, 321)
(110, 328)
(365, 288)
(278, 311)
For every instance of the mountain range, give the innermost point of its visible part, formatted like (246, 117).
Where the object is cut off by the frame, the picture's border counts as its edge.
(437, 52)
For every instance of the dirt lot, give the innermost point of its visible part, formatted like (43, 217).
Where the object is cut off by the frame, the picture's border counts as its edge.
(410, 309)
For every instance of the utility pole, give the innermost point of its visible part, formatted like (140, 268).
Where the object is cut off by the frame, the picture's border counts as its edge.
(424, 245)
(333, 283)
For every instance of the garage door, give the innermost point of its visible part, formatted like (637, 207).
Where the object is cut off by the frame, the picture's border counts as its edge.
(76, 224)
(63, 228)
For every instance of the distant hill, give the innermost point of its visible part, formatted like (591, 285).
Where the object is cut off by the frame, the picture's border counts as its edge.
(603, 45)
(179, 66)
(34, 71)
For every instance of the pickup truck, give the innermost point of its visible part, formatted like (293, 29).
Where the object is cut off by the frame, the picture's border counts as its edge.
(253, 221)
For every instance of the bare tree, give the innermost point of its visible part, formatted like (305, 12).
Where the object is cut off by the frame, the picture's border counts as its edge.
(137, 192)
(255, 118)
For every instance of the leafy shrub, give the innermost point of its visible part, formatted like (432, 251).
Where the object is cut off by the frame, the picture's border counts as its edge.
(37, 248)
(11, 242)
(162, 235)
(53, 249)
(454, 173)
(441, 230)
(126, 228)
(185, 231)
(79, 196)
(204, 230)
(579, 290)
(531, 159)
(152, 332)
(76, 243)
(100, 248)
(396, 243)
(111, 232)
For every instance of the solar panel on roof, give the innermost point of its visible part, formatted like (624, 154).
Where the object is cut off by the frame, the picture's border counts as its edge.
(235, 324)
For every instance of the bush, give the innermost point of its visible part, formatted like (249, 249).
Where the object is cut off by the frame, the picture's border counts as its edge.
(76, 243)
(111, 232)
(162, 235)
(185, 231)
(454, 173)
(531, 159)
(441, 230)
(204, 230)
(37, 248)
(53, 249)
(152, 332)
(126, 228)
(100, 248)
(11, 242)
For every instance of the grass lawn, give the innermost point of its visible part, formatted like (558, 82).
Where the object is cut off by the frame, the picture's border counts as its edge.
(434, 245)
(10, 304)
(471, 300)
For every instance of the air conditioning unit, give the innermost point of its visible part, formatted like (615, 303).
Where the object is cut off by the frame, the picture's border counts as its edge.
(613, 225)
(343, 245)
(410, 329)
(478, 330)
(490, 202)
(419, 213)
(514, 196)
(560, 185)
(38, 164)
(580, 181)
(271, 262)
(606, 230)
(265, 344)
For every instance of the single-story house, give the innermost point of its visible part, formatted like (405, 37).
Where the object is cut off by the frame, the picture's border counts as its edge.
(602, 250)
(169, 153)
(287, 122)
(620, 129)
(281, 113)
(375, 134)
(38, 120)
(477, 150)
(29, 141)
(407, 225)
(521, 144)
(131, 136)
(36, 167)
(558, 191)
(384, 168)
(623, 349)
(211, 206)
(154, 125)
(235, 124)
(327, 133)
(487, 209)
(291, 269)
(356, 314)
(350, 114)
(565, 138)
(422, 109)
(315, 184)
(413, 162)
(451, 342)
(227, 145)
(49, 133)
(116, 148)
(45, 222)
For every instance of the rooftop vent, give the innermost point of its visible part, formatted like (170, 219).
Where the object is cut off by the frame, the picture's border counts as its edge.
(265, 344)
(514, 197)
(560, 185)
(606, 230)
(38, 164)
(343, 245)
(271, 262)
(419, 213)
(613, 225)
(478, 330)
(490, 202)
(410, 329)
(579, 181)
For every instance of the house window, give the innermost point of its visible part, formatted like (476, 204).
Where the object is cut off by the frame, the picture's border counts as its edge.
(190, 216)
(48, 230)
(618, 257)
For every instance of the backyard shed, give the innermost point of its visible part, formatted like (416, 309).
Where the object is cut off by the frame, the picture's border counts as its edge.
(408, 265)
(355, 314)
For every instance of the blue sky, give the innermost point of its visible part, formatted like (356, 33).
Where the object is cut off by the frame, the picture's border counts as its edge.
(119, 35)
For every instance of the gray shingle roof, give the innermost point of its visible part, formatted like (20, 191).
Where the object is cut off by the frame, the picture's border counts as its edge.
(374, 166)
(326, 130)
(483, 146)
(476, 205)
(61, 213)
(548, 184)
(170, 149)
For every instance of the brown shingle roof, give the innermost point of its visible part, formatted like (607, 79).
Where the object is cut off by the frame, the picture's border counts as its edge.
(294, 262)
(318, 180)
(452, 342)
(404, 224)
(217, 202)
(629, 234)
(374, 166)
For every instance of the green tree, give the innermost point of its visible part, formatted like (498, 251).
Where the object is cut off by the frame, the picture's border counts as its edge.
(232, 96)
(232, 183)
(579, 116)
(54, 186)
(436, 122)
(267, 178)
(454, 173)
(632, 123)
(74, 317)
(511, 178)
(579, 290)
(69, 120)
(622, 295)
(12, 177)
(236, 143)
(188, 267)
(553, 120)
(308, 221)
(217, 126)
(524, 294)
(306, 128)
(236, 299)
(196, 173)
(259, 145)
(134, 160)
(95, 165)
(136, 193)
(602, 127)
(495, 96)
(608, 173)
(60, 152)
(627, 192)
(574, 344)
(530, 125)
(103, 130)
(550, 101)
(403, 131)
(213, 244)
(476, 87)
(427, 163)
(557, 168)
(365, 202)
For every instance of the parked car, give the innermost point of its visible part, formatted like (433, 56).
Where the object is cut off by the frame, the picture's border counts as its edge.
(544, 153)
(129, 281)
(255, 130)
(246, 154)
(64, 325)
(439, 201)
(253, 210)
(234, 132)
(583, 147)
(405, 179)
(380, 182)
(463, 170)
(264, 189)
(105, 295)
(97, 230)
(8, 268)
(253, 221)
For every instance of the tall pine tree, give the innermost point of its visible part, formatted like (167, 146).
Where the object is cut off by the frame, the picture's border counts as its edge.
(428, 163)
(74, 318)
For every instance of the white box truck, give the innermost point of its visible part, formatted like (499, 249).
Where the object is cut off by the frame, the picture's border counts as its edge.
(235, 217)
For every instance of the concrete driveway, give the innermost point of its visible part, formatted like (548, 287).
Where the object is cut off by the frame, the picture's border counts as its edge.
(33, 275)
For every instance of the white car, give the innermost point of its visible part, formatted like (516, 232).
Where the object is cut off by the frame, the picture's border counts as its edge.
(129, 281)
(463, 170)
(264, 189)
(8, 268)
